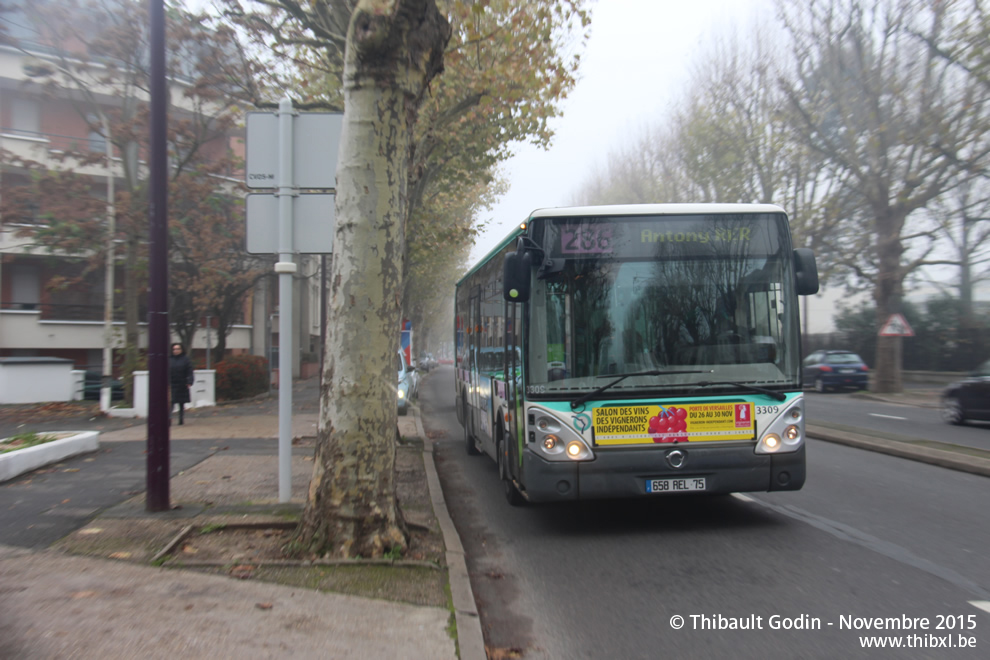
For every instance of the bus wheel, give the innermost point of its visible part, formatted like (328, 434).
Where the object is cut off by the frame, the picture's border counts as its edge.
(469, 443)
(512, 494)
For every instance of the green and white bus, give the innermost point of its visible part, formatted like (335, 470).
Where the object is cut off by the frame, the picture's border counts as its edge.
(642, 350)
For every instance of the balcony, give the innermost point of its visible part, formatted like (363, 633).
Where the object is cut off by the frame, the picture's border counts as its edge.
(45, 149)
(69, 311)
(43, 327)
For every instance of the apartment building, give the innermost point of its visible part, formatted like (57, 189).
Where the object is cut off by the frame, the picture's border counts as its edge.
(42, 123)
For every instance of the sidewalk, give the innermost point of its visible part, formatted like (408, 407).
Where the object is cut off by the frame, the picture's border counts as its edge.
(57, 605)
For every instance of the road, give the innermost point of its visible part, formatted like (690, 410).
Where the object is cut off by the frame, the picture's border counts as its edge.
(843, 411)
(869, 536)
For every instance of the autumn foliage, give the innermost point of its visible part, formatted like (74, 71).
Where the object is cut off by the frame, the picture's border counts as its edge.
(241, 376)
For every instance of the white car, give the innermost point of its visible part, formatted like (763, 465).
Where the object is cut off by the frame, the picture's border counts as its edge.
(408, 386)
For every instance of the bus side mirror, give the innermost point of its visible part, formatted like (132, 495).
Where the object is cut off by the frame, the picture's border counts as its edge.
(516, 276)
(805, 272)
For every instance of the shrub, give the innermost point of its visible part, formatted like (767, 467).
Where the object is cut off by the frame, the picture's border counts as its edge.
(241, 376)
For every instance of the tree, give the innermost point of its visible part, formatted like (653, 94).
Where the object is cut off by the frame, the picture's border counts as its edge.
(961, 219)
(209, 272)
(508, 66)
(646, 172)
(728, 140)
(896, 123)
(393, 50)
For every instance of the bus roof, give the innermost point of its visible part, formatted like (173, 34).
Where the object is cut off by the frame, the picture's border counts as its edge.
(653, 209)
(623, 210)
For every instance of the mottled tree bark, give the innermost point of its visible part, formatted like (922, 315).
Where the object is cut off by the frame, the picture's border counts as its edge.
(394, 48)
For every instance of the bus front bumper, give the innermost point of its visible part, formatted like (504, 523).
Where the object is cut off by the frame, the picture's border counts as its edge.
(625, 472)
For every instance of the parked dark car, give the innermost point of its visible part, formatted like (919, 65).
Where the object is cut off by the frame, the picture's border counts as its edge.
(968, 398)
(92, 383)
(828, 370)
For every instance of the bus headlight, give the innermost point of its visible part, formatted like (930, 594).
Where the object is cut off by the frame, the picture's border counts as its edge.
(402, 394)
(770, 443)
(784, 433)
(792, 434)
(577, 450)
(553, 439)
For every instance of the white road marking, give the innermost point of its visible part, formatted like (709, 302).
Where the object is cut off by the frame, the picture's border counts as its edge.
(903, 419)
(887, 548)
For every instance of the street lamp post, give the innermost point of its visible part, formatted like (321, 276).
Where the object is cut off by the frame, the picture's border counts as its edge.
(106, 384)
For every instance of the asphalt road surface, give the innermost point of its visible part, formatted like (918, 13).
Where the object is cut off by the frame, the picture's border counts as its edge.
(848, 412)
(768, 575)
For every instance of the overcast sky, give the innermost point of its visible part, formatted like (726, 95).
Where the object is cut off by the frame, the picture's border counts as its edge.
(637, 58)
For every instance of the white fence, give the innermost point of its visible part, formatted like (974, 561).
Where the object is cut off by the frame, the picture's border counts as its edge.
(43, 379)
(36, 379)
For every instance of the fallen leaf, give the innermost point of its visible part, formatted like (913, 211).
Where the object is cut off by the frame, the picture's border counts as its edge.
(71, 470)
(263, 606)
(66, 501)
(242, 571)
(91, 530)
(120, 555)
(188, 607)
(189, 550)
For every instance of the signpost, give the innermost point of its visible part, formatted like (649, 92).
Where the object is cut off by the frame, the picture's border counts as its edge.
(312, 223)
(896, 326)
(315, 141)
(292, 152)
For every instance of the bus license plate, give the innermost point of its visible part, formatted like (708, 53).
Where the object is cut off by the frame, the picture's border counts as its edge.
(675, 485)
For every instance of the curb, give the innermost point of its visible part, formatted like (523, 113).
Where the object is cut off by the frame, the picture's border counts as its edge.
(931, 403)
(470, 639)
(18, 462)
(932, 456)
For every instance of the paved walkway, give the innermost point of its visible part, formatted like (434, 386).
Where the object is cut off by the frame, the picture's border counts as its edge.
(56, 605)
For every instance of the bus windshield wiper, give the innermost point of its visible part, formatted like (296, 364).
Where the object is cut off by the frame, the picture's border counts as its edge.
(779, 396)
(591, 395)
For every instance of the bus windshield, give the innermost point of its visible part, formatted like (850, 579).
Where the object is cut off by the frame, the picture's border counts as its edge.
(706, 296)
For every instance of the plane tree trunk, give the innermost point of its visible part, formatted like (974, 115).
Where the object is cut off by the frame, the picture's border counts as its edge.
(394, 48)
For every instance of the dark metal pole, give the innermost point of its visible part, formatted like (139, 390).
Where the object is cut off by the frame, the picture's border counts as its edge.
(157, 497)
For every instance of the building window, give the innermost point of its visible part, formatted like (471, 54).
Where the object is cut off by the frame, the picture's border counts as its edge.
(25, 117)
(25, 287)
(97, 141)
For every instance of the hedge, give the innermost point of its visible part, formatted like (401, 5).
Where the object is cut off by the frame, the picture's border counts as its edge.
(241, 376)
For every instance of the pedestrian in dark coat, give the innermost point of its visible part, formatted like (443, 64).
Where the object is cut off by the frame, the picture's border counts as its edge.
(180, 377)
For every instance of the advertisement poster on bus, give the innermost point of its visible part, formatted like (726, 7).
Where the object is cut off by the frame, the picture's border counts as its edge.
(648, 424)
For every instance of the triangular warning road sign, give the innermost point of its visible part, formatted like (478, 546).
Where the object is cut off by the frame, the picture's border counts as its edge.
(896, 326)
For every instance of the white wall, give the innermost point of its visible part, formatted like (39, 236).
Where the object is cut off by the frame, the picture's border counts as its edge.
(34, 380)
(202, 394)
